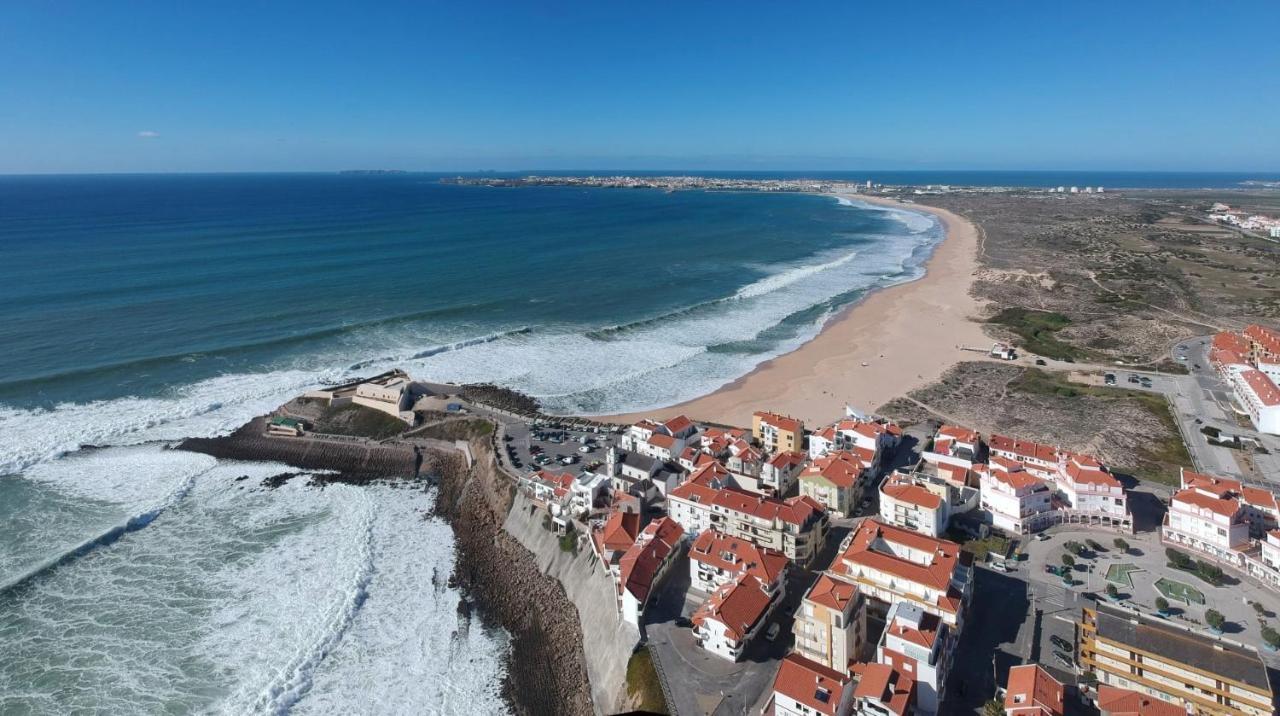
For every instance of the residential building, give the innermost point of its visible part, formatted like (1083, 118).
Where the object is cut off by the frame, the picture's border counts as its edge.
(1124, 702)
(1265, 566)
(777, 432)
(907, 503)
(806, 688)
(1037, 458)
(1091, 493)
(920, 645)
(1128, 650)
(643, 566)
(883, 691)
(734, 614)
(834, 481)
(716, 559)
(1207, 517)
(1014, 500)
(830, 625)
(1031, 691)
(954, 445)
(796, 526)
(872, 440)
(1258, 395)
(614, 537)
(779, 472)
(890, 564)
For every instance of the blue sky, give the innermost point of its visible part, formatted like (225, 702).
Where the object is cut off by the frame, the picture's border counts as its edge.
(164, 86)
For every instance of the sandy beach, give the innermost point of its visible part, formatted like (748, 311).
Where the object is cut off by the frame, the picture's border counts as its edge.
(894, 341)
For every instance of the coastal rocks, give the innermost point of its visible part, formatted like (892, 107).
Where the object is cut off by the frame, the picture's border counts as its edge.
(498, 397)
(354, 461)
(546, 671)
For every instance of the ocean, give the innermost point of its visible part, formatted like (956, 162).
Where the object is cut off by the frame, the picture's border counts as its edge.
(136, 310)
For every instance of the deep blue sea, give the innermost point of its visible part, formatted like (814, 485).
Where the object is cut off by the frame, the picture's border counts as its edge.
(140, 309)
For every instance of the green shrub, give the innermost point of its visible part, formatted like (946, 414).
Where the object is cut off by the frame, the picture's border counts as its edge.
(1214, 619)
(1162, 604)
(1271, 637)
(1120, 544)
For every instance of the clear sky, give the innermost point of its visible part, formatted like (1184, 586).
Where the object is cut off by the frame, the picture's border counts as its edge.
(99, 86)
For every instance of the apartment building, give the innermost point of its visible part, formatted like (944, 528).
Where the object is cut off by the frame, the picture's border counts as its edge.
(806, 688)
(1031, 691)
(920, 645)
(733, 616)
(954, 445)
(716, 559)
(910, 504)
(835, 482)
(1207, 517)
(890, 564)
(830, 625)
(644, 565)
(777, 432)
(1151, 656)
(1014, 500)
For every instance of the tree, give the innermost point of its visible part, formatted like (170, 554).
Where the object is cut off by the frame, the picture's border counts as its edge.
(1162, 604)
(1271, 636)
(1177, 559)
(1094, 545)
(1112, 591)
(1214, 619)
(1121, 544)
(993, 707)
(1068, 561)
(1261, 610)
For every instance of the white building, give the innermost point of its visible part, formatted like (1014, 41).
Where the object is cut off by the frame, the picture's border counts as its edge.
(1259, 397)
(954, 445)
(779, 472)
(805, 688)
(734, 614)
(889, 564)
(716, 559)
(643, 566)
(1014, 500)
(909, 504)
(919, 644)
(1089, 488)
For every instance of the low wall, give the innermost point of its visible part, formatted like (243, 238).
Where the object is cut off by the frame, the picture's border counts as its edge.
(607, 641)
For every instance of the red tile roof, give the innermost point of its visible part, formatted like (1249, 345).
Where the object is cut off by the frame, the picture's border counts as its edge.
(734, 555)
(782, 422)
(1267, 392)
(1258, 497)
(1230, 342)
(620, 531)
(1209, 483)
(1030, 687)
(640, 564)
(666, 442)
(1123, 702)
(803, 680)
(793, 510)
(1023, 448)
(1265, 338)
(911, 493)
(964, 435)
(1090, 476)
(944, 558)
(678, 424)
(787, 459)
(739, 605)
(885, 684)
(841, 468)
(1226, 507)
(833, 593)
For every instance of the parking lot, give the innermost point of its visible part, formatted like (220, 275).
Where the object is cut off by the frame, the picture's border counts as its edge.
(534, 446)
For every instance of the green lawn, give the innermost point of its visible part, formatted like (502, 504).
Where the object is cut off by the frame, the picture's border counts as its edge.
(642, 683)
(1179, 592)
(1037, 329)
(1119, 574)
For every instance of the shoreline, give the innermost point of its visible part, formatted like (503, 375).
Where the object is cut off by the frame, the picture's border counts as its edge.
(888, 343)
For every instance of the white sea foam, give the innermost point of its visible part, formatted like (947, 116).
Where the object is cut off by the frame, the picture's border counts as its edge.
(782, 279)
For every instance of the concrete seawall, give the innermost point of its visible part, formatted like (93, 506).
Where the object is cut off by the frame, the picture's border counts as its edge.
(607, 641)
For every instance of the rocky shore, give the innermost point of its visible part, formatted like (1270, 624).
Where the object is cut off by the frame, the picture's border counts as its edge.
(546, 670)
(353, 461)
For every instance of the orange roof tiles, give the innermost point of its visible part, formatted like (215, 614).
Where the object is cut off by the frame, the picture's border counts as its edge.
(1030, 689)
(833, 593)
(666, 442)
(841, 468)
(640, 564)
(944, 556)
(678, 424)
(1263, 337)
(620, 531)
(964, 435)
(1023, 448)
(1230, 342)
(1224, 506)
(1123, 702)
(739, 605)
(1267, 392)
(733, 555)
(803, 680)
(1209, 483)
(911, 493)
(787, 459)
(885, 684)
(782, 422)
(1258, 497)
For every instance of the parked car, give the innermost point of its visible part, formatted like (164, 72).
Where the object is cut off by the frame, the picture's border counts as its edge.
(1042, 536)
(1066, 660)
(584, 449)
(1061, 643)
(1109, 379)
(774, 629)
(1040, 361)
(683, 622)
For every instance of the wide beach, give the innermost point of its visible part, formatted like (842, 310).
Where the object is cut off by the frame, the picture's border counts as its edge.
(895, 340)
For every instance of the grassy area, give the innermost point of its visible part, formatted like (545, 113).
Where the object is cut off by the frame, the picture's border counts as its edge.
(357, 420)
(980, 548)
(1037, 329)
(467, 429)
(642, 683)
(1158, 458)
(1119, 574)
(1179, 592)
